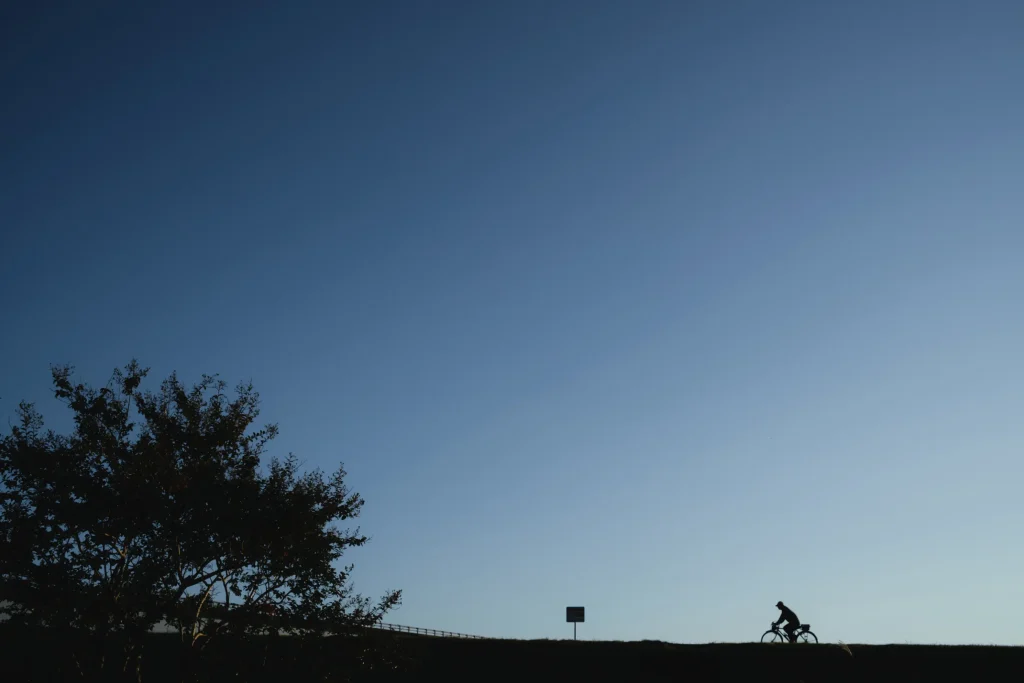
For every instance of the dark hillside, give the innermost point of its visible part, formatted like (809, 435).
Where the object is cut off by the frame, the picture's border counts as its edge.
(384, 656)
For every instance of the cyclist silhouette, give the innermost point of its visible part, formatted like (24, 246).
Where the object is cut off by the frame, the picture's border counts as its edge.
(791, 619)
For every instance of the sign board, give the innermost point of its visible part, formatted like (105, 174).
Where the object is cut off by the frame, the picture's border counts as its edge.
(574, 615)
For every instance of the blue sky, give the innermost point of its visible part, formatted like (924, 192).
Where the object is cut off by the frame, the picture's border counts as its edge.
(672, 310)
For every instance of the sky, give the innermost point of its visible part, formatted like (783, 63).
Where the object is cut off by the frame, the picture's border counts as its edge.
(671, 310)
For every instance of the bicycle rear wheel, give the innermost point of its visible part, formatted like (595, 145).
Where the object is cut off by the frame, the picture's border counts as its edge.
(806, 637)
(771, 636)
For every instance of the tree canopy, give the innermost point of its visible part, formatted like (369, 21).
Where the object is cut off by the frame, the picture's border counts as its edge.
(159, 506)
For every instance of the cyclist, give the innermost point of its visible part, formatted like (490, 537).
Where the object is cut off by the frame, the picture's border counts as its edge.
(792, 621)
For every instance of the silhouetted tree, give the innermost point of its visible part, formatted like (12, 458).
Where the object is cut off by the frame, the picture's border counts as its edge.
(155, 507)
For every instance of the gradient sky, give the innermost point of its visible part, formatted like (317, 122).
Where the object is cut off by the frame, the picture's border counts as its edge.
(667, 309)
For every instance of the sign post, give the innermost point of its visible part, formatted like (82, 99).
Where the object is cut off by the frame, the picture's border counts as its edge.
(574, 615)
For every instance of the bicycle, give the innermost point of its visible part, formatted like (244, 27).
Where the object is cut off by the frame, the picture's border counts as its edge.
(777, 635)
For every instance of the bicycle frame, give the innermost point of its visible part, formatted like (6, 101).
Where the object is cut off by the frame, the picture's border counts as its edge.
(782, 632)
(777, 630)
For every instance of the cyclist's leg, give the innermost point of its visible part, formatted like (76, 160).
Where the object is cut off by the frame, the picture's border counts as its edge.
(791, 631)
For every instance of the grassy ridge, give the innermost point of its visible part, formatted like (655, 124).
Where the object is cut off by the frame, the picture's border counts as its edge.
(451, 660)
(385, 656)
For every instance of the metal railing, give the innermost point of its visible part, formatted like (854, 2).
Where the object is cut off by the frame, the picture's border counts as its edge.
(164, 627)
(424, 631)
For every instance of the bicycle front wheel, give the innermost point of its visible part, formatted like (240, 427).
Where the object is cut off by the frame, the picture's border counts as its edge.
(806, 637)
(771, 636)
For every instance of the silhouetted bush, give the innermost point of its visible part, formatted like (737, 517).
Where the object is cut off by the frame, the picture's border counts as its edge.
(156, 508)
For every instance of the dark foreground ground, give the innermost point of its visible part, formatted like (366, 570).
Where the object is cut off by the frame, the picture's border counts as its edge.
(387, 657)
(655, 661)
